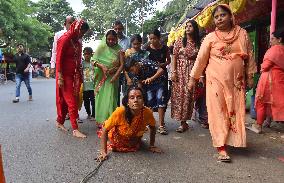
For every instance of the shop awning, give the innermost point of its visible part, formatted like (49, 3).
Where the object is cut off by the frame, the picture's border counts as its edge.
(244, 11)
(197, 8)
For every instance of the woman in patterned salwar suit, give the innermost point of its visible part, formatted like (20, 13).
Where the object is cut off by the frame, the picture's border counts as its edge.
(185, 52)
(127, 124)
(227, 56)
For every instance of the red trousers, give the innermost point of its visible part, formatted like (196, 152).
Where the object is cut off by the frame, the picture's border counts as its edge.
(263, 110)
(2, 177)
(66, 102)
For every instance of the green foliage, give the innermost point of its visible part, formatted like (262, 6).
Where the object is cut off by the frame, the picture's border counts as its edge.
(33, 24)
(170, 16)
(100, 14)
(53, 12)
(188, 8)
(8, 19)
(19, 25)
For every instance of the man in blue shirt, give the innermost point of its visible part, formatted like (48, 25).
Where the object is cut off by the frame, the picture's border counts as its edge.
(124, 42)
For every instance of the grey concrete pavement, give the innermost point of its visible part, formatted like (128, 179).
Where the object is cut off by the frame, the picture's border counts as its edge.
(35, 152)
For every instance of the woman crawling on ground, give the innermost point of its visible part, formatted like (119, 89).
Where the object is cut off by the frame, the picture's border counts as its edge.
(127, 124)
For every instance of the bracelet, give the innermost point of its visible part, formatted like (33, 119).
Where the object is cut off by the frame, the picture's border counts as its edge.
(174, 71)
(96, 63)
(60, 77)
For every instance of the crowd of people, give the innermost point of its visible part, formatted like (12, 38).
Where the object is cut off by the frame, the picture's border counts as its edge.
(209, 75)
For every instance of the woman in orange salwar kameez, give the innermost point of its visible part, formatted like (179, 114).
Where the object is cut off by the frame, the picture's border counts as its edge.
(127, 124)
(69, 75)
(269, 100)
(228, 58)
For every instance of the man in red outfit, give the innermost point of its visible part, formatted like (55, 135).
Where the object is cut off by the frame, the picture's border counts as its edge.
(69, 75)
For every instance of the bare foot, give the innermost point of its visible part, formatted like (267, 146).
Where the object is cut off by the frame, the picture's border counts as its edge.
(256, 128)
(77, 133)
(61, 127)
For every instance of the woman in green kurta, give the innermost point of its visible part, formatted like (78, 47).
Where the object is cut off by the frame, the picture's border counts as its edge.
(108, 59)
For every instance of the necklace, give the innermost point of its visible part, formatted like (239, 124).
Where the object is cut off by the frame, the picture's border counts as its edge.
(76, 50)
(227, 36)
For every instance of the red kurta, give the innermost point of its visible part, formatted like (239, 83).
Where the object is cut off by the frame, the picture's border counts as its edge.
(269, 93)
(68, 63)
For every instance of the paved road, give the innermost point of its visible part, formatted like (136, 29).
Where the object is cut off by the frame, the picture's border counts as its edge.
(35, 152)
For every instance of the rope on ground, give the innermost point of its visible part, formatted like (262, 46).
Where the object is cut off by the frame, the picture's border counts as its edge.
(92, 173)
(95, 171)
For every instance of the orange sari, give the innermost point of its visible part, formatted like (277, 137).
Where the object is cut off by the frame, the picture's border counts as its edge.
(125, 137)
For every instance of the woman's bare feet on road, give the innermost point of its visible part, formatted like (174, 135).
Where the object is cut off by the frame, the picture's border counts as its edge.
(61, 127)
(77, 133)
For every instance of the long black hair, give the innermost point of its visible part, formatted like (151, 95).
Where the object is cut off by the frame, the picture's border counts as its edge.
(156, 32)
(85, 26)
(195, 35)
(128, 115)
(136, 37)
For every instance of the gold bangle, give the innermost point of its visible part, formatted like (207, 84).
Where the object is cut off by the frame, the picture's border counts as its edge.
(60, 75)
(96, 63)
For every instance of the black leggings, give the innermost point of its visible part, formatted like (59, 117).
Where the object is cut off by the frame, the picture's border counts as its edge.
(89, 97)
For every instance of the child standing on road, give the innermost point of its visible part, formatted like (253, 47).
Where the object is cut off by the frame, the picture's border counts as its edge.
(88, 83)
